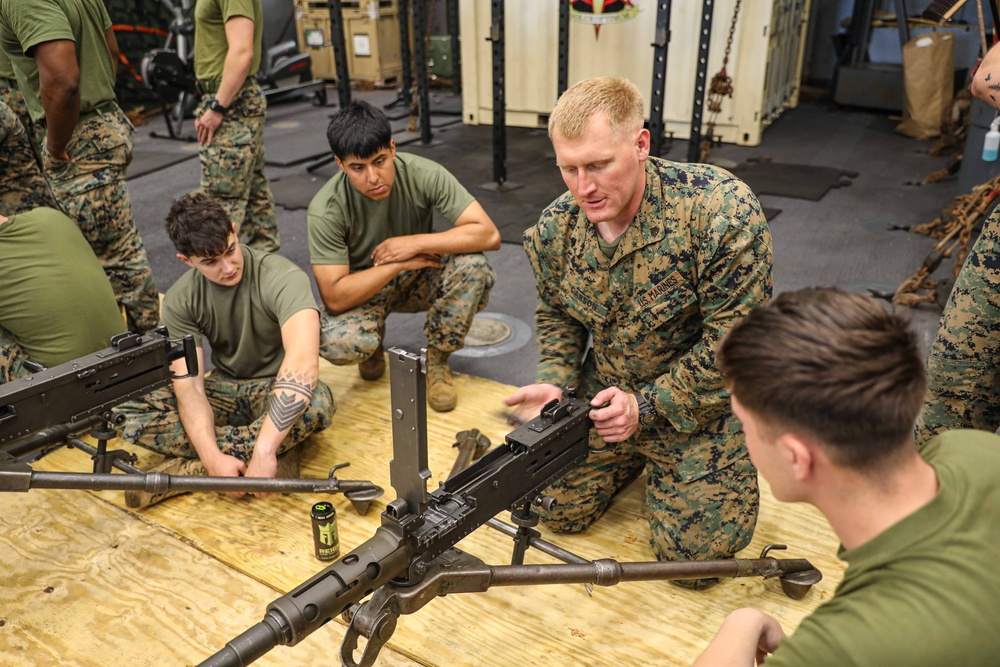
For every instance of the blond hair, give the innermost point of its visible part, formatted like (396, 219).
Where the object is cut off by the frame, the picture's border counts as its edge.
(619, 99)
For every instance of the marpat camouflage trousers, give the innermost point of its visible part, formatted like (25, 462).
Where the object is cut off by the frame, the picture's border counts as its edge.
(12, 97)
(22, 186)
(710, 517)
(12, 355)
(240, 406)
(90, 188)
(232, 169)
(451, 295)
(963, 368)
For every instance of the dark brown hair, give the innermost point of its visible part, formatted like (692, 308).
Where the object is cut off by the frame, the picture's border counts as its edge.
(832, 366)
(358, 130)
(198, 226)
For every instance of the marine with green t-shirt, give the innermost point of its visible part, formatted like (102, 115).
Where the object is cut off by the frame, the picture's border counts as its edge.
(827, 385)
(64, 55)
(374, 252)
(56, 304)
(264, 396)
(230, 118)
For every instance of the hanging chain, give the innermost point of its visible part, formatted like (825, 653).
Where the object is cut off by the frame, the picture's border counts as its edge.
(721, 87)
(954, 231)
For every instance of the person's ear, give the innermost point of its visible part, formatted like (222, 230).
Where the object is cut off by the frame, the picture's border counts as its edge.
(642, 144)
(800, 454)
(185, 259)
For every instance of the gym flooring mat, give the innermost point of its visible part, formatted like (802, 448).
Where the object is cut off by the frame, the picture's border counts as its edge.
(799, 181)
(148, 161)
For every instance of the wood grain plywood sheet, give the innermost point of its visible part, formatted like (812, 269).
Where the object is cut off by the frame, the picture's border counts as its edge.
(269, 540)
(87, 584)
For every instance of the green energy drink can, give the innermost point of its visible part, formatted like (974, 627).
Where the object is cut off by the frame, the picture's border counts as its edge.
(324, 523)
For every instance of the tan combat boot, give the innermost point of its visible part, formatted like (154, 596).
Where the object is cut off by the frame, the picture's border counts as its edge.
(441, 394)
(373, 367)
(171, 466)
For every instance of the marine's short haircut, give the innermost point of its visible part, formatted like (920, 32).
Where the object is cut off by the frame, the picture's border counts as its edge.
(619, 99)
(198, 226)
(831, 366)
(358, 130)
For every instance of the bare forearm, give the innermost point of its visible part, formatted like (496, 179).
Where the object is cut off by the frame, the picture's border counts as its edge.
(457, 240)
(356, 288)
(61, 101)
(746, 636)
(198, 420)
(290, 397)
(234, 73)
(986, 84)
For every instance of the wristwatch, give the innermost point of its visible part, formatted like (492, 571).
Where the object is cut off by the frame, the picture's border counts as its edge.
(646, 413)
(217, 107)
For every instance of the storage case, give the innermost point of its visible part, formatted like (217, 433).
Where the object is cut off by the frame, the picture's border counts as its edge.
(765, 63)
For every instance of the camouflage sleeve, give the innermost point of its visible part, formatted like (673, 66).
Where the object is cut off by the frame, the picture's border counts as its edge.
(734, 277)
(561, 339)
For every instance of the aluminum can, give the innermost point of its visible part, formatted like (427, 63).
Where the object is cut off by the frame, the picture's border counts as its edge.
(324, 525)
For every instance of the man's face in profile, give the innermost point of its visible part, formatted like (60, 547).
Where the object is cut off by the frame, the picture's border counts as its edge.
(225, 268)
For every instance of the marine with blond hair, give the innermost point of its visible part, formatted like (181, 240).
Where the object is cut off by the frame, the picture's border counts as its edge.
(653, 261)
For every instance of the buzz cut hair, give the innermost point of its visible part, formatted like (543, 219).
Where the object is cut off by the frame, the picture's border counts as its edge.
(832, 366)
(619, 99)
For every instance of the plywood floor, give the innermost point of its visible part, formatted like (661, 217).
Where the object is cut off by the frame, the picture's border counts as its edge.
(88, 582)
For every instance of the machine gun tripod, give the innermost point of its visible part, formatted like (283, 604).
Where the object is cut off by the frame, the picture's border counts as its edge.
(411, 557)
(41, 412)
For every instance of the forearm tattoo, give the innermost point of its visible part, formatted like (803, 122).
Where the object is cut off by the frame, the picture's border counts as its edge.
(289, 399)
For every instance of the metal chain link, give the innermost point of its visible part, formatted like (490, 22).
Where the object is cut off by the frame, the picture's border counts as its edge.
(720, 87)
(954, 231)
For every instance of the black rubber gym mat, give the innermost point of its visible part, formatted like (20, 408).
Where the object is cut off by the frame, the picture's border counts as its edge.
(296, 191)
(290, 145)
(799, 181)
(146, 161)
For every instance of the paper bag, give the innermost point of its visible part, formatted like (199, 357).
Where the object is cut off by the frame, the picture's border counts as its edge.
(929, 84)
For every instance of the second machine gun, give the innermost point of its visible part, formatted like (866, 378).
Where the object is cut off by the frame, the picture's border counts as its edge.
(39, 412)
(411, 557)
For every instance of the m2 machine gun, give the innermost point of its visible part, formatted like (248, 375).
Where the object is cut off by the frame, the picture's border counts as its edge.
(411, 557)
(39, 412)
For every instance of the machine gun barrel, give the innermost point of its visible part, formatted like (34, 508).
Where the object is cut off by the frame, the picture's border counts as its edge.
(50, 436)
(155, 482)
(18, 476)
(609, 572)
(312, 604)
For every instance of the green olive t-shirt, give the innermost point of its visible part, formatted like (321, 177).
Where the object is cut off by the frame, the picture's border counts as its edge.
(925, 592)
(24, 25)
(346, 225)
(54, 296)
(210, 43)
(242, 322)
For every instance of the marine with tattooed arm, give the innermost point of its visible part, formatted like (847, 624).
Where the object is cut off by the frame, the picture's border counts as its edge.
(257, 310)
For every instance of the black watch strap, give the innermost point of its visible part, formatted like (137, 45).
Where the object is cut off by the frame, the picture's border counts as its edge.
(217, 107)
(647, 415)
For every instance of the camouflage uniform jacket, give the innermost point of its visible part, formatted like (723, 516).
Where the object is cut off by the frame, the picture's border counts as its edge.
(696, 257)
